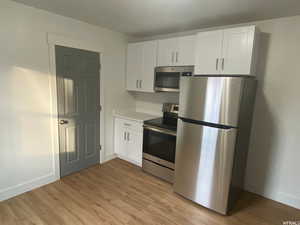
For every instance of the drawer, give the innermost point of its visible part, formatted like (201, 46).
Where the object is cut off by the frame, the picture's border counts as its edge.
(129, 124)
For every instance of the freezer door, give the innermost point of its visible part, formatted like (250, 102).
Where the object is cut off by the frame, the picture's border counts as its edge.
(203, 164)
(211, 99)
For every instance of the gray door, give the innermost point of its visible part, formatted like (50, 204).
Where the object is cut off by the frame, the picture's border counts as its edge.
(78, 108)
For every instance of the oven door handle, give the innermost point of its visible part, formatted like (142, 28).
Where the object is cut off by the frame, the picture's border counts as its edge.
(160, 130)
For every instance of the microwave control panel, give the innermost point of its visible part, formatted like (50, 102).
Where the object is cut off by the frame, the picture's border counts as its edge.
(187, 74)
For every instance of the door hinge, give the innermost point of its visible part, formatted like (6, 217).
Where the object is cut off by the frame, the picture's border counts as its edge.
(99, 108)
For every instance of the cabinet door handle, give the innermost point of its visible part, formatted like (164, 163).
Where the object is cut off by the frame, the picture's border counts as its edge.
(172, 57)
(223, 63)
(124, 136)
(128, 139)
(177, 56)
(140, 83)
(217, 64)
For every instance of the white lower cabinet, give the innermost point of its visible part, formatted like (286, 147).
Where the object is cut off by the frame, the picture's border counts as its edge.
(128, 140)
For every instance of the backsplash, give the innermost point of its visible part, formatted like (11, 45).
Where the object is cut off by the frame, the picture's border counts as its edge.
(152, 102)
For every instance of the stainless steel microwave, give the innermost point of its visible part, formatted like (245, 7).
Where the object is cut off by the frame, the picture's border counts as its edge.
(167, 78)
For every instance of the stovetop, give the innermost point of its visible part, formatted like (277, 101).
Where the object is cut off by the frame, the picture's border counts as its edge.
(169, 124)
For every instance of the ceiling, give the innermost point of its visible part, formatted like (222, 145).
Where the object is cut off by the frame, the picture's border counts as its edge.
(152, 17)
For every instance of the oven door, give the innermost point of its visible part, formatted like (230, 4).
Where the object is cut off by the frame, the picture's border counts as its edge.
(159, 146)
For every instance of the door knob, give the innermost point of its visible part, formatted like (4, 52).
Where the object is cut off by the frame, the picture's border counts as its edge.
(61, 122)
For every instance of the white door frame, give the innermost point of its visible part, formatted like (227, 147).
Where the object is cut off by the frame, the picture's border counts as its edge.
(52, 40)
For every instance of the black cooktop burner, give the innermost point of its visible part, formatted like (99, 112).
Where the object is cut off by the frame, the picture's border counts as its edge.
(163, 123)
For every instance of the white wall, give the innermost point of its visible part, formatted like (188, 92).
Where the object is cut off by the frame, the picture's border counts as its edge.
(26, 158)
(273, 164)
(152, 102)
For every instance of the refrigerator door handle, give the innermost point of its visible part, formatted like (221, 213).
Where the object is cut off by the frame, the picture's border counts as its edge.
(207, 124)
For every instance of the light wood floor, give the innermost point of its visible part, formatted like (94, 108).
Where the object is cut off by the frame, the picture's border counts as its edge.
(120, 193)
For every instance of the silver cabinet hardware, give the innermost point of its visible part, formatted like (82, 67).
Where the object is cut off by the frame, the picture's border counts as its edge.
(128, 136)
(217, 64)
(173, 57)
(177, 56)
(127, 124)
(223, 63)
(141, 83)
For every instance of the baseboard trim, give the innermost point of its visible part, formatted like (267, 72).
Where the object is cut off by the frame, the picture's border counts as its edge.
(129, 160)
(26, 186)
(281, 197)
(109, 157)
(288, 199)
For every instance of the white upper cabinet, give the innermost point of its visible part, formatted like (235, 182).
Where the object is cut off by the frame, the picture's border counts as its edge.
(134, 65)
(176, 51)
(149, 64)
(238, 51)
(141, 62)
(166, 52)
(229, 51)
(208, 52)
(185, 55)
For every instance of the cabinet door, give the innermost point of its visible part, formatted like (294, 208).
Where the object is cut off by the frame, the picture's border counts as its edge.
(238, 48)
(185, 55)
(134, 66)
(135, 146)
(208, 52)
(120, 143)
(166, 52)
(149, 64)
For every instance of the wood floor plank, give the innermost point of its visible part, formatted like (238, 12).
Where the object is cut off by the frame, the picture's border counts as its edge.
(119, 193)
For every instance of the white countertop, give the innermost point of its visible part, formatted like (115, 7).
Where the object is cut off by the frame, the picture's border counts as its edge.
(133, 115)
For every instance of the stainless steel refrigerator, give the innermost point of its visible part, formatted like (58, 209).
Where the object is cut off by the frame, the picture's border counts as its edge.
(213, 132)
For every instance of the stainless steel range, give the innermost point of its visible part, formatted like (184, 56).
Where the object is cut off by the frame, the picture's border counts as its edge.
(159, 143)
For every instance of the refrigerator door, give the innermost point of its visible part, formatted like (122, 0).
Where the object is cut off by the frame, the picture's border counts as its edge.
(211, 99)
(203, 164)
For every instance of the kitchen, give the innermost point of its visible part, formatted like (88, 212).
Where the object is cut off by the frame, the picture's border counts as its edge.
(217, 91)
(169, 103)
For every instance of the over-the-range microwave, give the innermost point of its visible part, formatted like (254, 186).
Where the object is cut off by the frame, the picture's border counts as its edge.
(167, 78)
